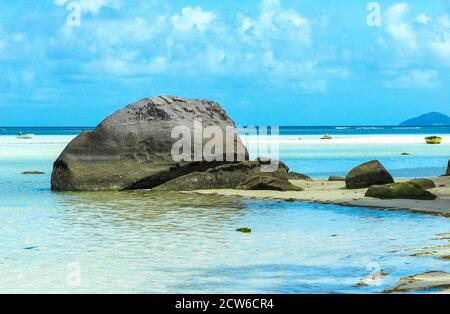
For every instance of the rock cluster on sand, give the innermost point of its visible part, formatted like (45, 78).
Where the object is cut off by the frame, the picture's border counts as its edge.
(406, 190)
(133, 149)
(246, 175)
(368, 174)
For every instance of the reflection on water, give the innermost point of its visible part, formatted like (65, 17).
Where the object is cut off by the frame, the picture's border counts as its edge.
(147, 242)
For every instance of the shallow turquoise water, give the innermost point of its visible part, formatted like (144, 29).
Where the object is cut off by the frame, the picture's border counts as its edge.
(151, 242)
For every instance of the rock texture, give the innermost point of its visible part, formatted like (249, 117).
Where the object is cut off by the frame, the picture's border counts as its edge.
(368, 174)
(131, 149)
(448, 169)
(424, 183)
(407, 190)
(243, 175)
(298, 176)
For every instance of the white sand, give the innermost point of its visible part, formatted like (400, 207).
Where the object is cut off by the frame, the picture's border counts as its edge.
(322, 191)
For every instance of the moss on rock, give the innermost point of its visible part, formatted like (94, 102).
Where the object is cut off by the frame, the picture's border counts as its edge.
(407, 190)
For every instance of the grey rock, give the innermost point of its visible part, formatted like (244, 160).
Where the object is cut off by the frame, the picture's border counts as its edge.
(232, 176)
(368, 174)
(131, 149)
(448, 169)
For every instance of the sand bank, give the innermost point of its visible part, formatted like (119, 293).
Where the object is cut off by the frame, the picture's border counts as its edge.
(435, 281)
(322, 191)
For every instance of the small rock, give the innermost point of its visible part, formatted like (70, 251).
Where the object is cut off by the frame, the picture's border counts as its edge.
(244, 230)
(405, 154)
(336, 178)
(33, 172)
(30, 247)
(298, 176)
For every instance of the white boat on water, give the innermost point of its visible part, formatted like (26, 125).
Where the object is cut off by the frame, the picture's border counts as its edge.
(25, 136)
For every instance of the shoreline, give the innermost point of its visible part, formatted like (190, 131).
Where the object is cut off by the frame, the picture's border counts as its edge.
(334, 193)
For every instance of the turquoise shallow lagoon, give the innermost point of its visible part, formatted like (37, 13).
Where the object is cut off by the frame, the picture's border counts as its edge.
(148, 242)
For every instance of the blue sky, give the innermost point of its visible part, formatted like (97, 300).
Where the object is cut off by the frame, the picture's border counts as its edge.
(268, 62)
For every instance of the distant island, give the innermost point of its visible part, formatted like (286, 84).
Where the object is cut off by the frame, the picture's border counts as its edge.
(429, 119)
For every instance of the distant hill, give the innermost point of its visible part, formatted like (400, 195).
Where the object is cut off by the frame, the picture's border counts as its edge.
(429, 119)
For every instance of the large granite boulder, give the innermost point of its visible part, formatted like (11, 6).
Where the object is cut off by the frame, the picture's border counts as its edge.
(368, 174)
(132, 148)
(448, 169)
(231, 176)
(406, 190)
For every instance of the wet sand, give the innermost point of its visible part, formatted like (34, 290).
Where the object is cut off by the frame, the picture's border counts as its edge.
(434, 281)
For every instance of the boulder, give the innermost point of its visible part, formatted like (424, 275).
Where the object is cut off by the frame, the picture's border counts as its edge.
(367, 174)
(336, 178)
(132, 148)
(232, 176)
(298, 176)
(406, 190)
(424, 183)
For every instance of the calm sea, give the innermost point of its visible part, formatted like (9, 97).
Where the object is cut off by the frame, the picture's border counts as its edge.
(147, 242)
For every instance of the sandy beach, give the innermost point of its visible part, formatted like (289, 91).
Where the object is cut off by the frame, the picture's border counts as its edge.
(323, 191)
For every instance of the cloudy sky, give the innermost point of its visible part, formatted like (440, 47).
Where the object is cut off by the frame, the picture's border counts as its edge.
(268, 62)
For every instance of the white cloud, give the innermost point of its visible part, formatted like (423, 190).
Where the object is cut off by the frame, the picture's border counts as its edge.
(417, 48)
(91, 6)
(423, 18)
(416, 79)
(134, 30)
(276, 45)
(397, 26)
(193, 18)
(276, 24)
